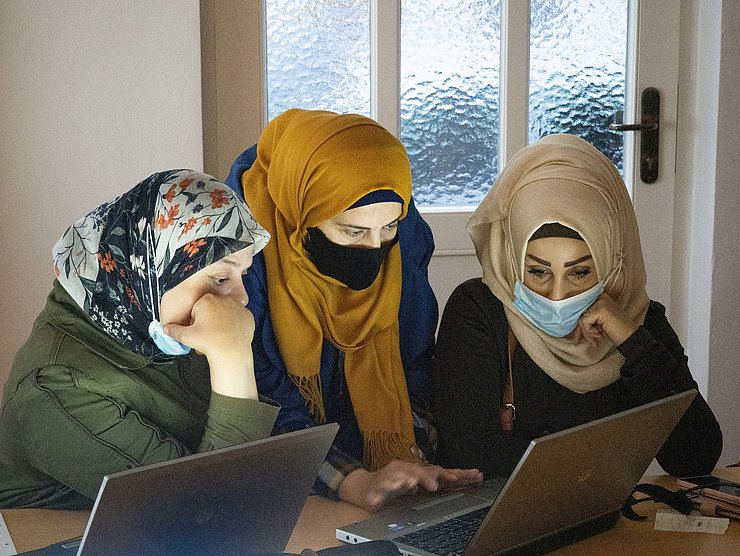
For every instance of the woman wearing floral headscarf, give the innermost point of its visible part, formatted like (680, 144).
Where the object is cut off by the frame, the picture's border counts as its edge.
(560, 330)
(107, 380)
(345, 316)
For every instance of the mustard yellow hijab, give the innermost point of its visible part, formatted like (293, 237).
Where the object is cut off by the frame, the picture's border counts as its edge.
(310, 167)
(563, 179)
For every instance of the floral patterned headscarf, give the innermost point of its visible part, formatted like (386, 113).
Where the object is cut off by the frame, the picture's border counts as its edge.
(119, 260)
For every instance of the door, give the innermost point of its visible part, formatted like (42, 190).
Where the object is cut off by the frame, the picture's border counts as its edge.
(654, 55)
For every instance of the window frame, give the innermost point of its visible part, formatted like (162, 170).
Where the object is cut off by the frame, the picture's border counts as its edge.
(448, 223)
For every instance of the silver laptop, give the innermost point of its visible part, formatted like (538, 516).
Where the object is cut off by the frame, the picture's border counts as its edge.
(242, 499)
(567, 486)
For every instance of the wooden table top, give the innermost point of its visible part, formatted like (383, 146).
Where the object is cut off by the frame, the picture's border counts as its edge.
(35, 528)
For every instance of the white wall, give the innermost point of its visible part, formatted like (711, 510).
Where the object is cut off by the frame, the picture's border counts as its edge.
(724, 329)
(706, 289)
(95, 95)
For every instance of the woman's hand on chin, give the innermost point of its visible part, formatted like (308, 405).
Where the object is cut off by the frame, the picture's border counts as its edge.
(604, 316)
(221, 328)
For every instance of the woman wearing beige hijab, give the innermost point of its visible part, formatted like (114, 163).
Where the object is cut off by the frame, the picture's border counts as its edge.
(559, 331)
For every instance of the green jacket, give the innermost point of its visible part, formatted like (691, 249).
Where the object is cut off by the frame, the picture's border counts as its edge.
(78, 405)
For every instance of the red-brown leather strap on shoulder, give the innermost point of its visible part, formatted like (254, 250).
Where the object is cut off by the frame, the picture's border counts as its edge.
(508, 411)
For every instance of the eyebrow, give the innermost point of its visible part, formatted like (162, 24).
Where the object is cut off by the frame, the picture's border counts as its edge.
(577, 261)
(230, 262)
(538, 260)
(566, 265)
(366, 227)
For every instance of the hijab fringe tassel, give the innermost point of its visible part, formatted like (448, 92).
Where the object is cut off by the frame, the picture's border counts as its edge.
(310, 389)
(382, 447)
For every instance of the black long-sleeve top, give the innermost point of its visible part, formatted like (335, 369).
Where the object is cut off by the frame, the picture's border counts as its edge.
(470, 370)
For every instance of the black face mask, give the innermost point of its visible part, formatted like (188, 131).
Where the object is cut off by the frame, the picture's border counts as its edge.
(355, 267)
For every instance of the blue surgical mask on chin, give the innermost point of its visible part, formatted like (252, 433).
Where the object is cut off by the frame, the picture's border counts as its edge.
(166, 343)
(556, 318)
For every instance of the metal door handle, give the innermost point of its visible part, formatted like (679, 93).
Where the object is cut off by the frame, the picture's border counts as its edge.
(649, 127)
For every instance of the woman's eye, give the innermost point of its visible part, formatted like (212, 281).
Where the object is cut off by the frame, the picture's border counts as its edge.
(581, 273)
(220, 281)
(539, 273)
(388, 234)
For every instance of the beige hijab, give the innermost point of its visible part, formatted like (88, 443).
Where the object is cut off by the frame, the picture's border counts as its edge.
(563, 179)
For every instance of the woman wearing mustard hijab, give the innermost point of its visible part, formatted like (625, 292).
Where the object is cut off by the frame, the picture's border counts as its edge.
(560, 326)
(345, 316)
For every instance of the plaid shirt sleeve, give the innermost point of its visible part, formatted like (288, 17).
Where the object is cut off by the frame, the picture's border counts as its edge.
(335, 468)
(338, 464)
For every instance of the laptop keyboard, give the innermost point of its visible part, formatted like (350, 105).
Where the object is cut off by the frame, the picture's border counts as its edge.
(447, 538)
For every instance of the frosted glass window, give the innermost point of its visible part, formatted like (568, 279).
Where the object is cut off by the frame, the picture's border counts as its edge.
(318, 55)
(577, 70)
(449, 98)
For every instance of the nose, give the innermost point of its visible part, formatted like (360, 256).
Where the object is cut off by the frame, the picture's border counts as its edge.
(371, 240)
(239, 293)
(559, 290)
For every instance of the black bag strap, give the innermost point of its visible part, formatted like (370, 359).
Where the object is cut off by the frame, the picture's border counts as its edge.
(677, 500)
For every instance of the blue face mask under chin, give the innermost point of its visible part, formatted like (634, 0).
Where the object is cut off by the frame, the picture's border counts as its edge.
(556, 318)
(166, 343)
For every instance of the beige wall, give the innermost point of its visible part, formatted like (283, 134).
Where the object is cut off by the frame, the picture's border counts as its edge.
(94, 96)
(234, 109)
(724, 335)
(706, 290)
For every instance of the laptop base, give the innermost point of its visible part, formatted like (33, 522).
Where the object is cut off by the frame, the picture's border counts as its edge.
(567, 537)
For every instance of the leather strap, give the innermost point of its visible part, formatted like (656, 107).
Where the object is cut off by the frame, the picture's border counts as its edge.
(507, 410)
